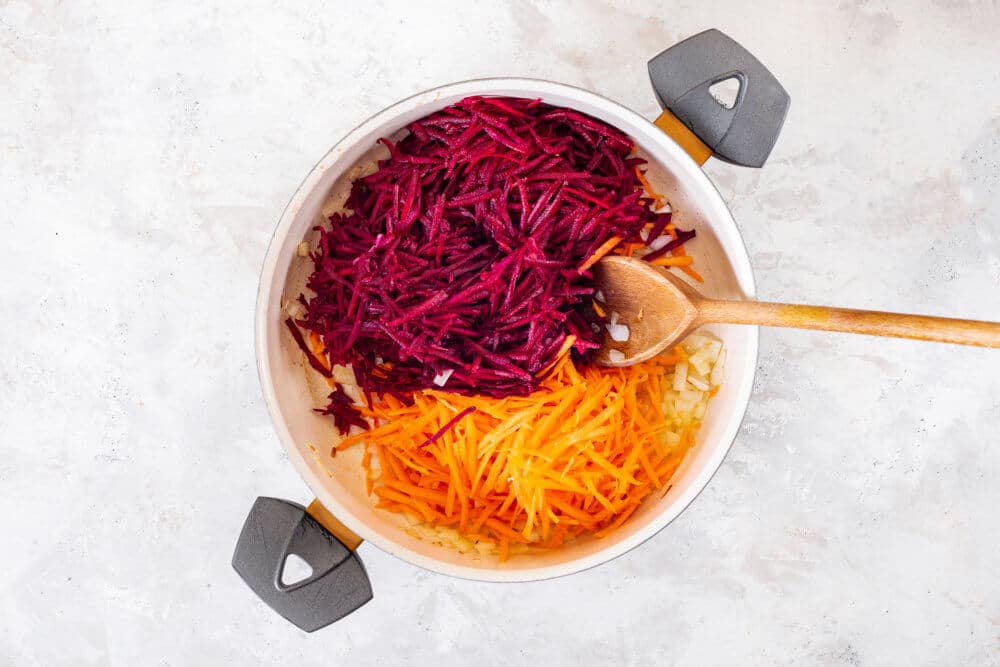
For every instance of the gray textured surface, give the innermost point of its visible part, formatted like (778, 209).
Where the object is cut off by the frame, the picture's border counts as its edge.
(333, 582)
(741, 133)
(148, 151)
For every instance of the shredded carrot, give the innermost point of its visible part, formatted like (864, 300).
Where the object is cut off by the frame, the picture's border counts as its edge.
(318, 347)
(319, 352)
(605, 248)
(657, 197)
(597, 308)
(691, 272)
(681, 261)
(563, 351)
(629, 249)
(577, 456)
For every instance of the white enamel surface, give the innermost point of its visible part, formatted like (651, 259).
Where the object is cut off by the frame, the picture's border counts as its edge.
(337, 482)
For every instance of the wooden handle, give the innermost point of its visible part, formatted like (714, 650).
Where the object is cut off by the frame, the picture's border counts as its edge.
(348, 537)
(687, 139)
(870, 322)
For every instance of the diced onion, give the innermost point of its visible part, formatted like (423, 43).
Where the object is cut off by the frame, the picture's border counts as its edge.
(697, 382)
(694, 342)
(659, 242)
(618, 332)
(699, 360)
(343, 375)
(442, 378)
(718, 371)
(685, 407)
(680, 376)
(690, 396)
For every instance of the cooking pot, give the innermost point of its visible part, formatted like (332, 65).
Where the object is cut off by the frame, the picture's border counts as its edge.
(694, 125)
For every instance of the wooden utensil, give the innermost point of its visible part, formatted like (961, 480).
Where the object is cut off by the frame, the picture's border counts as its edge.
(660, 309)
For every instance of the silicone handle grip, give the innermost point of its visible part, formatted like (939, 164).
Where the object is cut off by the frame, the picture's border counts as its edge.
(276, 528)
(744, 134)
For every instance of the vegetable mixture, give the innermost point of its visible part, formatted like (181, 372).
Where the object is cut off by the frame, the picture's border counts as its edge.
(465, 256)
(457, 288)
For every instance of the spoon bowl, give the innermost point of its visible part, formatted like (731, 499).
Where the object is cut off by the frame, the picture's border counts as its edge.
(659, 309)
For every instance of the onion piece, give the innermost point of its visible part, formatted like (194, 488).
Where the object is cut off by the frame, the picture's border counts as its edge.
(680, 376)
(698, 382)
(659, 242)
(618, 332)
(719, 370)
(441, 379)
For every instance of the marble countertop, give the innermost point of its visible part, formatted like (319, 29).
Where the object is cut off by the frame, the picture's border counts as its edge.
(147, 151)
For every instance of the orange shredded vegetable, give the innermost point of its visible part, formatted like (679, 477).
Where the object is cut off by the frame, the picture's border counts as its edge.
(658, 199)
(605, 248)
(691, 272)
(319, 351)
(579, 455)
(681, 261)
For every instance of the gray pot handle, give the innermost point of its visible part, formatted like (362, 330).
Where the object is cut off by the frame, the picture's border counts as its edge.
(338, 584)
(744, 134)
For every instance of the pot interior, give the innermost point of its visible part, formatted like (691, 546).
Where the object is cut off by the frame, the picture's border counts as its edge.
(292, 389)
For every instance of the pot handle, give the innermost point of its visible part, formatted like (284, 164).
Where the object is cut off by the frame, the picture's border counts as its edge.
(743, 134)
(274, 530)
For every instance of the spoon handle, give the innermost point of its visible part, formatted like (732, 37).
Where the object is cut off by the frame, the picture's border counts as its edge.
(870, 322)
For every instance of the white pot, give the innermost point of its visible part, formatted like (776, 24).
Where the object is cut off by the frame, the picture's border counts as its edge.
(338, 482)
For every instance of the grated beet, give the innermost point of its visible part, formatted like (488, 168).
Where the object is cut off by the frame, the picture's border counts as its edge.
(463, 251)
(342, 409)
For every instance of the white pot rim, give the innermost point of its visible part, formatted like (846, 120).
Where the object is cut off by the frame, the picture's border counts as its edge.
(612, 112)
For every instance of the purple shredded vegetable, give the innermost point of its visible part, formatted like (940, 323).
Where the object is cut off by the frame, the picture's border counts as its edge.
(341, 408)
(459, 257)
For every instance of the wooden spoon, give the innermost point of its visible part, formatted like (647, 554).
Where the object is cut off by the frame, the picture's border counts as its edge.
(660, 309)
